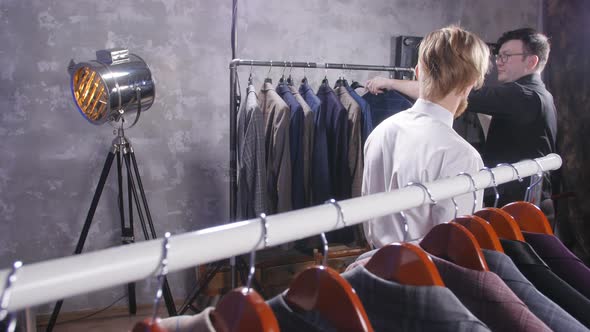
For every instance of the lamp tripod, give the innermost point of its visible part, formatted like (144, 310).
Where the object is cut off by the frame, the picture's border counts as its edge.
(123, 151)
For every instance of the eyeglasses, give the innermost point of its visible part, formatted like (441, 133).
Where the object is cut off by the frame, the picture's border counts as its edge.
(503, 58)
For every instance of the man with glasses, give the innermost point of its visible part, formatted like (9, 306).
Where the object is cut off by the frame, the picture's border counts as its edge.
(523, 124)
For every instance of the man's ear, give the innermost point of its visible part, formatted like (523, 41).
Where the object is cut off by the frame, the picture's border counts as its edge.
(532, 62)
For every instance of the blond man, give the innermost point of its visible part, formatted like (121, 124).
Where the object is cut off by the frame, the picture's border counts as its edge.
(419, 144)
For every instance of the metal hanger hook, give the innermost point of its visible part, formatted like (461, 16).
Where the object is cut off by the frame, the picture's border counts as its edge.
(540, 172)
(5, 297)
(456, 207)
(340, 213)
(325, 243)
(425, 189)
(514, 168)
(163, 271)
(264, 239)
(474, 190)
(269, 69)
(495, 186)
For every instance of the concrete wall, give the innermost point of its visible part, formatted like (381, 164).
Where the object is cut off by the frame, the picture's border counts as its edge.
(51, 157)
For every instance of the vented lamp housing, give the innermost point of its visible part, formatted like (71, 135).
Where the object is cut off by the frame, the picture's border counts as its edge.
(108, 88)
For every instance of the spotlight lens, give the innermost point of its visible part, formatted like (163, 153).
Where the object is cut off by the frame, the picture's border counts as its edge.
(90, 94)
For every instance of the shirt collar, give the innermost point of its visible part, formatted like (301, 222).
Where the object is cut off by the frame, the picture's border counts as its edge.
(433, 110)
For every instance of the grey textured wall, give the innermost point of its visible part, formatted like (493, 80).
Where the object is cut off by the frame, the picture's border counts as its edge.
(51, 157)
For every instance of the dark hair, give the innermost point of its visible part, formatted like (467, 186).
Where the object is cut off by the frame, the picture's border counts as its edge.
(534, 43)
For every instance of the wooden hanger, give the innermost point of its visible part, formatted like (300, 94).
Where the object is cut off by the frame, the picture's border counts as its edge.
(454, 242)
(148, 325)
(243, 309)
(482, 231)
(322, 289)
(529, 217)
(502, 222)
(406, 264)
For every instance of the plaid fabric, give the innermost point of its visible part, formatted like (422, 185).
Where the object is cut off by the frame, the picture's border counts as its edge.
(278, 153)
(486, 296)
(251, 200)
(395, 307)
(561, 261)
(549, 312)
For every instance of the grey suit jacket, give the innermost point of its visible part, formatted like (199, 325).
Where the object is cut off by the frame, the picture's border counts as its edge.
(395, 307)
(355, 148)
(251, 198)
(549, 312)
(278, 153)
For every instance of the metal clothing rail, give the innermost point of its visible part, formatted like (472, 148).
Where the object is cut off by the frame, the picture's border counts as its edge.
(56, 279)
(233, 100)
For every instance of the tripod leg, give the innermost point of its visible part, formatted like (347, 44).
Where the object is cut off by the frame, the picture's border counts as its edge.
(127, 235)
(130, 157)
(99, 187)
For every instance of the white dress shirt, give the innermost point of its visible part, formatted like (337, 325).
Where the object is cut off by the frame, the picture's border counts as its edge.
(416, 145)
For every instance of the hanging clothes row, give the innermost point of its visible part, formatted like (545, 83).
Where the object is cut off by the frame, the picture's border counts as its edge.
(47, 281)
(474, 273)
(297, 147)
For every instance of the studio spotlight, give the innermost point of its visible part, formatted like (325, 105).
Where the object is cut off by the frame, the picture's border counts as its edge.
(109, 88)
(115, 86)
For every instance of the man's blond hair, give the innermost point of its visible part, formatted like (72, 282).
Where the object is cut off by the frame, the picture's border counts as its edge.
(451, 59)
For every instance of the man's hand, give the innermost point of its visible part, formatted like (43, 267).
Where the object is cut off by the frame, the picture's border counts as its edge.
(378, 85)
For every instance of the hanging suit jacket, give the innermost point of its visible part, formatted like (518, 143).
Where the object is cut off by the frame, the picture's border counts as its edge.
(395, 307)
(355, 149)
(307, 142)
(251, 200)
(561, 261)
(488, 298)
(320, 172)
(367, 120)
(547, 282)
(385, 105)
(335, 118)
(277, 116)
(550, 313)
(296, 144)
(292, 321)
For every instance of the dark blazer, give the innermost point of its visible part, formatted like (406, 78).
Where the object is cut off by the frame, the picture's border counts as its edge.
(292, 321)
(321, 182)
(549, 312)
(296, 145)
(385, 105)
(488, 298)
(561, 261)
(547, 282)
(335, 117)
(395, 307)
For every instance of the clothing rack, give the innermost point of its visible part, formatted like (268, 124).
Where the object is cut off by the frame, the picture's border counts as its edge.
(51, 280)
(234, 104)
